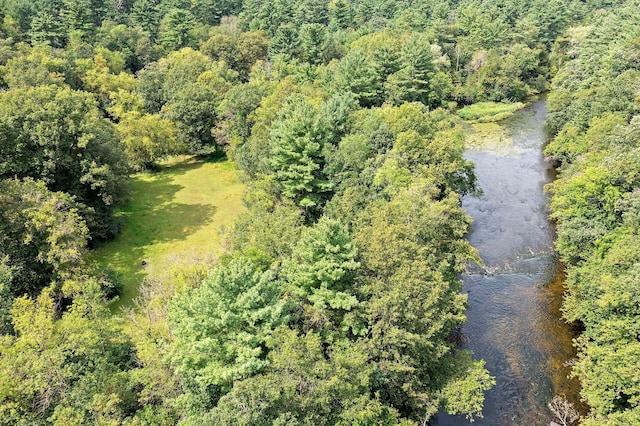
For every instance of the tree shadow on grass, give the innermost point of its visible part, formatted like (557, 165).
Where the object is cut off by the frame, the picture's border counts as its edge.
(167, 223)
(186, 164)
(151, 217)
(155, 217)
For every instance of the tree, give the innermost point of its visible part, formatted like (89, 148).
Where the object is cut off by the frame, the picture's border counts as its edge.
(175, 29)
(58, 136)
(297, 139)
(146, 15)
(563, 410)
(321, 273)
(413, 256)
(311, 12)
(221, 328)
(235, 110)
(71, 370)
(193, 111)
(355, 73)
(268, 230)
(78, 16)
(45, 29)
(186, 87)
(35, 67)
(428, 144)
(595, 200)
(413, 81)
(147, 138)
(131, 42)
(305, 383)
(6, 295)
(341, 13)
(285, 42)
(239, 51)
(43, 235)
(312, 42)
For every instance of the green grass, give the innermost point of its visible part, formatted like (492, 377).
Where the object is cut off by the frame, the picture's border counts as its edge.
(487, 112)
(173, 215)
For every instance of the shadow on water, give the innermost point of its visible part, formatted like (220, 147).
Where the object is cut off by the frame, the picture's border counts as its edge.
(514, 298)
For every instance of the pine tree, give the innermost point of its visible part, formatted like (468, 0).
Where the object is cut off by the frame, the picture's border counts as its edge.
(297, 140)
(45, 29)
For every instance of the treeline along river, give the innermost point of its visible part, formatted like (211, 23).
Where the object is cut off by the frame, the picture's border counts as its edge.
(515, 296)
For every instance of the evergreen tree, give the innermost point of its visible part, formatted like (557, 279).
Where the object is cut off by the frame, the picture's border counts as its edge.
(221, 328)
(285, 42)
(412, 82)
(312, 41)
(45, 29)
(145, 14)
(78, 16)
(297, 140)
(341, 13)
(175, 29)
(356, 74)
(321, 275)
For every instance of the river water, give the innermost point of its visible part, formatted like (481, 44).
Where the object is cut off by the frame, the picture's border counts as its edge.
(514, 298)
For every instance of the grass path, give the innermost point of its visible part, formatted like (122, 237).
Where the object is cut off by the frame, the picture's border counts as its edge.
(172, 214)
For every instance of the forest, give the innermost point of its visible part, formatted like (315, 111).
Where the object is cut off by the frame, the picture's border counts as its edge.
(336, 298)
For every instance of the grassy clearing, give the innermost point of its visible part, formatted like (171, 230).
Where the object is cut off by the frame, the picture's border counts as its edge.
(488, 112)
(172, 214)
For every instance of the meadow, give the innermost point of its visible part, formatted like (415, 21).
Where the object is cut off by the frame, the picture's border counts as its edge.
(173, 215)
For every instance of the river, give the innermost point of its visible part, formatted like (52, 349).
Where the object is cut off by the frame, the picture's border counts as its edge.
(514, 298)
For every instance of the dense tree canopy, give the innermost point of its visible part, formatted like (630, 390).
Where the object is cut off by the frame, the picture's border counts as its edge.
(593, 113)
(58, 136)
(339, 291)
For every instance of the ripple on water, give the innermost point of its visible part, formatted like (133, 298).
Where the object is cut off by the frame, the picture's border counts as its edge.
(513, 317)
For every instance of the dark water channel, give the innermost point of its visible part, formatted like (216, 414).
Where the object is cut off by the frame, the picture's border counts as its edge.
(514, 298)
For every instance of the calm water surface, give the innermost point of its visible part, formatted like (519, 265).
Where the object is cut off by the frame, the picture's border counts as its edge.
(514, 298)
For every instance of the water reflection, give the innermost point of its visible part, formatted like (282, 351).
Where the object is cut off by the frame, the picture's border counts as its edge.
(513, 320)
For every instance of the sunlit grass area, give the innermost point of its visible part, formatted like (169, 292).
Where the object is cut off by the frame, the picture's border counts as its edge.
(172, 215)
(487, 112)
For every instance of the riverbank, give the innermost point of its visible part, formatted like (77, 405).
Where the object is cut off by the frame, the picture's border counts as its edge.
(513, 318)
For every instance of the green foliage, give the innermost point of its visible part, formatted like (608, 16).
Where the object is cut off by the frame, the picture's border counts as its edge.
(486, 112)
(194, 112)
(221, 327)
(321, 273)
(35, 67)
(58, 136)
(240, 51)
(413, 255)
(78, 16)
(268, 230)
(427, 143)
(296, 142)
(71, 370)
(6, 296)
(595, 202)
(412, 82)
(43, 236)
(175, 29)
(304, 385)
(463, 393)
(186, 87)
(45, 29)
(355, 73)
(147, 138)
(354, 208)
(323, 258)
